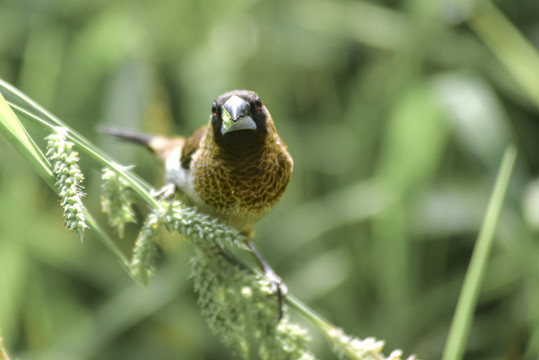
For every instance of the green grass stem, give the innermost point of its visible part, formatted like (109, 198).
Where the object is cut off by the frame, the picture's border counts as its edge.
(16, 134)
(462, 319)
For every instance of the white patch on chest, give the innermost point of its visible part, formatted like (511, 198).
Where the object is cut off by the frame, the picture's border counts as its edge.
(182, 178)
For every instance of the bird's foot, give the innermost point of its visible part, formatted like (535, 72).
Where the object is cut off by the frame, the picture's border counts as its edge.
(164, 193)
(278, 287)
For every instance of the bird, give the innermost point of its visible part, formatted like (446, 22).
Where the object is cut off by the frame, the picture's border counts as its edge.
(235, 168)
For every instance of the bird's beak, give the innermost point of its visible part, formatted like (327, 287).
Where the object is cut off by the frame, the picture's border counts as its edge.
(235, 115)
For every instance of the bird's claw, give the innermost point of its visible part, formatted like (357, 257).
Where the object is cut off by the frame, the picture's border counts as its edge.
(277, 286)
(164, 193)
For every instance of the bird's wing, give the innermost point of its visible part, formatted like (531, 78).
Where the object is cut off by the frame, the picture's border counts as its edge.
(191, 145)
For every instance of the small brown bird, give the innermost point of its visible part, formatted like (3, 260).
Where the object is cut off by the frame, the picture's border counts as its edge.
(235, 168)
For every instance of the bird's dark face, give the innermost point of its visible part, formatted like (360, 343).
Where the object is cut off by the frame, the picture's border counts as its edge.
(239, 119)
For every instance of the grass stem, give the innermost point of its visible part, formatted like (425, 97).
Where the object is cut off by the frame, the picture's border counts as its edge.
(462, 319)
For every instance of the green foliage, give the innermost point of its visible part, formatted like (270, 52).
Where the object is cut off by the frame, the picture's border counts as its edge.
(68, 179)
(145, 250)
(239, 305)
(397, 115)
(116, 201)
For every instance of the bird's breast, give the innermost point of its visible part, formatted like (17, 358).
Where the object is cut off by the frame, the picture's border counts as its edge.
(241, 189)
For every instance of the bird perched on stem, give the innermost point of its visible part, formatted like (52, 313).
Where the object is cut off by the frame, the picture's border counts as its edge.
(235, 168)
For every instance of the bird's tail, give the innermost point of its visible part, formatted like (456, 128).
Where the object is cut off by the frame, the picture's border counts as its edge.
(161, 146)
(128, 135)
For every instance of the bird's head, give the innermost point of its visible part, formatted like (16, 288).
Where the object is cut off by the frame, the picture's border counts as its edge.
(239, 119)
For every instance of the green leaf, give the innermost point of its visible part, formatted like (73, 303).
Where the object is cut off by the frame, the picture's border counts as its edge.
(15, 133)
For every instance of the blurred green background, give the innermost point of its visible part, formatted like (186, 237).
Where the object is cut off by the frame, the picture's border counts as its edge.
(396, 113)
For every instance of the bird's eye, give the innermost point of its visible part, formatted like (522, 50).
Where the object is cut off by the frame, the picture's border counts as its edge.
(258, 104)
(214, 109)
